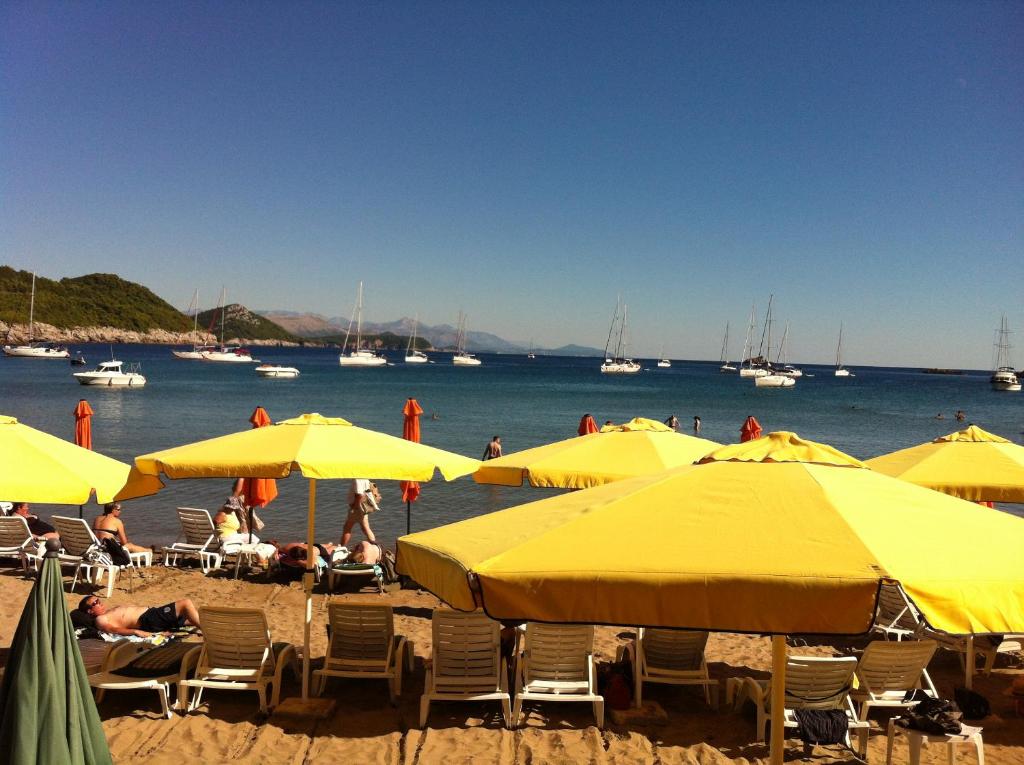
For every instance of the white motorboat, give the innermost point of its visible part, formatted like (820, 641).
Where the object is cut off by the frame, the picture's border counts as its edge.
(412, 355)
(461, 358)
(232, 354)
(1004, 378)
(272, 370)
(788, 370)
(617, 363)
(33, 350)
(112, 374)
(359, 357)
(723, 361)
(841, 371)
(663, 362)
(196, 354)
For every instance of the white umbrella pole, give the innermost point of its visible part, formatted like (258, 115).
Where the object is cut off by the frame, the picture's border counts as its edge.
(777, 748)
(307, 585)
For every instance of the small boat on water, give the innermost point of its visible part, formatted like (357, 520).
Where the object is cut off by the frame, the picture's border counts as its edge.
(196, 354)
(841, 371)
(78, 360)
(618, 363)
(359, 357)
(272, 370)
(751, 366)
(782, 365)
(230, 354)
(1003, 377)
(663, 362)
(461, 358)
(723, 361)
(32, 349)
(412, 355)
(112, 374)
(772, 378)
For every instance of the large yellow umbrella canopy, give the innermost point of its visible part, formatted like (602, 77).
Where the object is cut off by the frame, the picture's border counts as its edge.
(38, 467)
(638, 447)
(318, 447)
(971, 464)
(778, 535)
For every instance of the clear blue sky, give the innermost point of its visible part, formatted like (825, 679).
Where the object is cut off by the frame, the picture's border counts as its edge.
(527, 161)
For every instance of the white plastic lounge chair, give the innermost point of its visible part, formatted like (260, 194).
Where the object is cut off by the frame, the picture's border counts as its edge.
(557, 664)
(198, 539)
(896, 617)
(363, 643)
(16, 541)
(972, 647)
(669, 656)
(78, 541)
(130, 666)
(238, 654)
(94, 652)
(339, 571)
(812, 682)
(887, 670)
(466, 664)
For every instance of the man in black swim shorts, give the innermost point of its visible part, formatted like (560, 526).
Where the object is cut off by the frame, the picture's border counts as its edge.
(139, 620)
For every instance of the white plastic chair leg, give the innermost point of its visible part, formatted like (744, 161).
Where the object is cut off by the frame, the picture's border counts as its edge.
(424, 710)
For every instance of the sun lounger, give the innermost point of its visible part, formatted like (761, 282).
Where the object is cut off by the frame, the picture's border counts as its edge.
(466, 662)
(130, 666)
(812, 682)
(16, 541)
(338, 571)
(557, 664)
(887, 670)
(675, 657)
(198, 539)
(896, 618)
(972, 647)
(238, 654)
(78, 542)
(363, 643)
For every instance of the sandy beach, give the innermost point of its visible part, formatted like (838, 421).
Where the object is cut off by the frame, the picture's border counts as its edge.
(367, 728)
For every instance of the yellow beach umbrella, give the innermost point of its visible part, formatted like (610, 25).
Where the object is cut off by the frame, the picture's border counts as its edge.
(638, 447)
(38, 467)
(319, 448)
(778, 535)
(971, 464)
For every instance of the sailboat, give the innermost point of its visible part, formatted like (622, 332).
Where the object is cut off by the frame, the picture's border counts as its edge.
(359, 357)
(1004, 378)
(412, 355)
(750, 366)
(724, 359)
(33, 350)
(782, 365)
(196, 353)
(663, 362)
(530, 354)
(231, 354)
(461, 358)
(841, 371)
(617, 363)
(772, 379)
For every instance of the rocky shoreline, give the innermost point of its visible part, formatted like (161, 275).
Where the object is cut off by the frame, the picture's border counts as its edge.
(18, 333)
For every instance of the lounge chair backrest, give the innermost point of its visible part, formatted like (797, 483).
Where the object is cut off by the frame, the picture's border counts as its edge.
(75, 535)
(675, 650)
(197, 526)
(814, 682)
(14, 532)
(466, 650)
(236, 640)
(362, 634)
(558, 652)
(894, 666)
(895, 611)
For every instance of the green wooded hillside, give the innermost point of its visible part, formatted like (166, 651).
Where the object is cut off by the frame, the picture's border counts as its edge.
(101, 300)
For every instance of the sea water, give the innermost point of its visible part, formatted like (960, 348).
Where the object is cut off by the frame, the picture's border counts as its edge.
(528, 402)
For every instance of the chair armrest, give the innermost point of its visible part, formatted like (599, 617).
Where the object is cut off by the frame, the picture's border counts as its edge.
(189, 661)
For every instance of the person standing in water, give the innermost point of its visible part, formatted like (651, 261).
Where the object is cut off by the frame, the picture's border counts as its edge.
(493, 449)
(696, 424)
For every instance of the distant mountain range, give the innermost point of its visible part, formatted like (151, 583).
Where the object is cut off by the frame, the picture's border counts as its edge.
(314, 325)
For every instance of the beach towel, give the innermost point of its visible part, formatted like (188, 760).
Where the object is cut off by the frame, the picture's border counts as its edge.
(821, 726)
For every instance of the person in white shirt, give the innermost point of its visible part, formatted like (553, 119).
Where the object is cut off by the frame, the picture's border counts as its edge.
(362, 500)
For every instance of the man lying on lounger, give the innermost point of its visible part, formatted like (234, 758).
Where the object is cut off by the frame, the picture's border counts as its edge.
(139, 620)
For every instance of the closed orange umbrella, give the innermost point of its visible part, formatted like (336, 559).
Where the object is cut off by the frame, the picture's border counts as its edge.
(410, 432)
(83, 424)
(751, 429)
(259, 492)
(587, 425)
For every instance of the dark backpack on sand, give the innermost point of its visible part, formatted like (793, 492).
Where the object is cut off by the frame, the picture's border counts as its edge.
(118, 554)
(387, 564)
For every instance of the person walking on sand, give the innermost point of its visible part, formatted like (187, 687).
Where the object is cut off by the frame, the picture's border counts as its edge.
(363, 499)
(493, 449)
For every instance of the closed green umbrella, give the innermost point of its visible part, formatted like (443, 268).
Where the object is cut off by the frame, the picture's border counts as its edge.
(47, 713)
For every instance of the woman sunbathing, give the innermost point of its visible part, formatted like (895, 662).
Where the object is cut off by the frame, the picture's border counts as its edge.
(293, 554)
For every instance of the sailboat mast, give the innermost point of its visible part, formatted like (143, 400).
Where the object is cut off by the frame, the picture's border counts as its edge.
(620, 352)
(782, 347)
(359, 318)
(223, 310)
(32, 311)
(748, 344)
(194, 308)
(611, 327)
(725, 346)
(839, 348)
